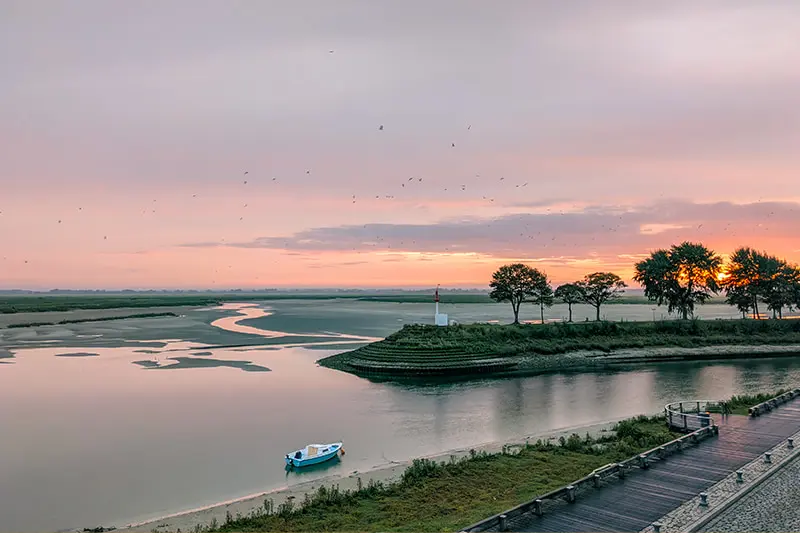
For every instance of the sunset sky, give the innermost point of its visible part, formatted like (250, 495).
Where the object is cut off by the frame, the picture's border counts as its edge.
(575, 136)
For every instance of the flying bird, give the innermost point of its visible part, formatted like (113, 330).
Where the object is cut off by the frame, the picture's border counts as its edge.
(453, 145)
(380, 128)
(246, 172)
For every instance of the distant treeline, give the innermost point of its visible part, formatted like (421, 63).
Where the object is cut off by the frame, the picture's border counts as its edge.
(681, 277)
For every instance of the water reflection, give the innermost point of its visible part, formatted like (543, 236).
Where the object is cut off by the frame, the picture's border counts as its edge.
(329, 467)
(509, 404)
(168, 434)
(78, 354)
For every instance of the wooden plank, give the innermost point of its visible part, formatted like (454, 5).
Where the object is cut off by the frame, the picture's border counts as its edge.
(644, 496)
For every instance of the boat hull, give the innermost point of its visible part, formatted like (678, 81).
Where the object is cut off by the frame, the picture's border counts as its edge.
(334, 450)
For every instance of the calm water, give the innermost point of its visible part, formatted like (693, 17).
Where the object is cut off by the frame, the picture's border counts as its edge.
(102, 439)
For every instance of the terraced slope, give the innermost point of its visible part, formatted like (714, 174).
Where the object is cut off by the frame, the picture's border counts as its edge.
(419, 350)
(398, 355)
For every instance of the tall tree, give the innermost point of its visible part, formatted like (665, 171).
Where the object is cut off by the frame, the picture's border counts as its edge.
(780, 286)
(569, 293)
(742, 281)
(542, 294)
(755, 277)
(514, 283)
(600, 287)
(681, 277)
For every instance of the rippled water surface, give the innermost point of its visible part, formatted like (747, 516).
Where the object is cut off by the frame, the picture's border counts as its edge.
(115, 422)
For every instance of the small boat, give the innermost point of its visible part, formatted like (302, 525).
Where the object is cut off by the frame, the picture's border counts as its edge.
(313, 454)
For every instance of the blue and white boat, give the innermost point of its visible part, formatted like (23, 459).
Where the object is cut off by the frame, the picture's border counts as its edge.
(313, 454)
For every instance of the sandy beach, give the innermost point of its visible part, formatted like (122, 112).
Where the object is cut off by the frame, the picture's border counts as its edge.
(186, 521)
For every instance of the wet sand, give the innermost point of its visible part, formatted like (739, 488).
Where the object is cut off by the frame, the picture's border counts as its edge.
(387, 473)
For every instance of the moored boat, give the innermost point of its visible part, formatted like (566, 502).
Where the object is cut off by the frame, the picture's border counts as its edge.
(313, 454)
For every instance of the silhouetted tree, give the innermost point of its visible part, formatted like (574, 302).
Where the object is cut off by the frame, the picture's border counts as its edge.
(543, 293)
(515, 283)
(754, 277)
(600, 287)
(569, 293)
(742, 281)
(781, 285)
(683, 276)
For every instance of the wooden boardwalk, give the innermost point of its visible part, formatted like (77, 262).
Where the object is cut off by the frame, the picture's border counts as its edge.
(644, 496)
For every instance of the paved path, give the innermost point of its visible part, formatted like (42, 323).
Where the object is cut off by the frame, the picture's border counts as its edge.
(644, 496)
(772, 507)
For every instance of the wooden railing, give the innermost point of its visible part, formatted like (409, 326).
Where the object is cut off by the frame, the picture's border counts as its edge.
(619, 470)
(769, 405)
(691, 415)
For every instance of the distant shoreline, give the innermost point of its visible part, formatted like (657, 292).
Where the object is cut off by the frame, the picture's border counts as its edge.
(36, 303)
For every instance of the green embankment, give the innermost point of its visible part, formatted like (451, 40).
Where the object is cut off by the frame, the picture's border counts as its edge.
(433, 496)
(484, 348)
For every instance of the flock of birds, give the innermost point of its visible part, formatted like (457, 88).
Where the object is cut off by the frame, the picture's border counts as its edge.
(412, 181)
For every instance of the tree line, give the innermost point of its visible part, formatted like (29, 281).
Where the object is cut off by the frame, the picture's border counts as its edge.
(681, 277)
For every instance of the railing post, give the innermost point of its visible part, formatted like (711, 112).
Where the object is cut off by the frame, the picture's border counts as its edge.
(790, 442)
(503, 523)
(571, 494)
(596, 480)
(656, 527)
(768, 458)
(642, 461)
(703, 499)
(662, 452)
(537, 508)
(739, 476)
(621, 471)
(698, 407)
(685, 422)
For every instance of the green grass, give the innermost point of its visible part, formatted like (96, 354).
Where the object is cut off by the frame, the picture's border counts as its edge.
(81, 320)
(740, 404)
(433, 496)
(38, 303)
(418, 349)
(69, 302)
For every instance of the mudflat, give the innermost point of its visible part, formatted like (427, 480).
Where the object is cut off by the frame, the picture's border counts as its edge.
(54, 317)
